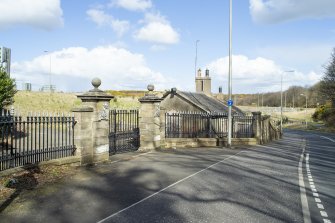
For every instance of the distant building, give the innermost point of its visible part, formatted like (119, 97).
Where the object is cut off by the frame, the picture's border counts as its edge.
(48, 88)
(5, 58)
(26, 86)
(203, 84)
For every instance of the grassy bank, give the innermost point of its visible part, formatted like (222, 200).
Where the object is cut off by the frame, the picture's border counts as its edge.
(41, 102)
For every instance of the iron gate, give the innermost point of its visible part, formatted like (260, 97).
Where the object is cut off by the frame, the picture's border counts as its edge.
(124, 134)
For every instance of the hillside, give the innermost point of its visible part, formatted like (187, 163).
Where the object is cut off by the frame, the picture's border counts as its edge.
(41, 102)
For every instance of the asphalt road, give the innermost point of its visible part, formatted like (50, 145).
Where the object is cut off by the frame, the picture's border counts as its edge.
(254, 184)
(319, 175)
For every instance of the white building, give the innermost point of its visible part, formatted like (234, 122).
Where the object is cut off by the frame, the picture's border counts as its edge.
(5, 56)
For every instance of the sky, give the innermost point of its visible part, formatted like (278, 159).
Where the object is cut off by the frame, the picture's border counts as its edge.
(129, 44)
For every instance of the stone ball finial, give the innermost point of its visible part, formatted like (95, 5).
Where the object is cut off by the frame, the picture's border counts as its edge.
(96, 82)
(151, 87)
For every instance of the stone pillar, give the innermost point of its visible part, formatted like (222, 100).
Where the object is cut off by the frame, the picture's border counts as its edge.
(149, 121)
(256, 126)
(162, 126)
(92, 128)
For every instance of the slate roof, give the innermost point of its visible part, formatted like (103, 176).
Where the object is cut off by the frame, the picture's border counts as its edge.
(207, 103)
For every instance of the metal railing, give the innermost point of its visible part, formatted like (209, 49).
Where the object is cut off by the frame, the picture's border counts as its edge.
(123, 131)
(206, 125)
(34, 139)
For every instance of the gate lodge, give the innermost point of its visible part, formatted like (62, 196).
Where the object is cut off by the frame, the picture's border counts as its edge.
(95, 132)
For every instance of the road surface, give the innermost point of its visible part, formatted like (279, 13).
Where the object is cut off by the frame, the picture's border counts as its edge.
(290, 180)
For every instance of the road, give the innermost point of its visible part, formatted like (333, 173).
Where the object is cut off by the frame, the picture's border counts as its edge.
(266, 183)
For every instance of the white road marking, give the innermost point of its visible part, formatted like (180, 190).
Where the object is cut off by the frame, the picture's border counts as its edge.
(320, 206)
(327, 138)
(171, 185)
(315, 194)
(324, 214)
(304, 203)
(131, 157)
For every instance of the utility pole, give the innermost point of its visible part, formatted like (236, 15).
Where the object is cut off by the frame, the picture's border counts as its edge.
(196, 57)
(230, 83)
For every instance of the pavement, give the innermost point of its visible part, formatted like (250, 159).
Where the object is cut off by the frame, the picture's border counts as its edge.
(247, 184)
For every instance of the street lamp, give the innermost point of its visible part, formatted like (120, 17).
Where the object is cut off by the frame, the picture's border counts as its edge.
(281, 98)
(230, 75)
(45, 51)
(305, 110)
(196, 57)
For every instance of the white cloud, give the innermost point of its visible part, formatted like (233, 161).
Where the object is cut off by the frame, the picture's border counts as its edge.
(157, 30)
(74, 67)
(274, 11)
(258, 75)
(132, 5)
(102, 19)
(43, 14)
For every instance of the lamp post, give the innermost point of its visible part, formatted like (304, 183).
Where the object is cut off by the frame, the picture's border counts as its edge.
(45, 51)
(281, 98)
(196, 57)
(230, 74)
(305, 110)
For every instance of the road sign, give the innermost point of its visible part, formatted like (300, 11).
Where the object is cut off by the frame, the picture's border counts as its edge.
(230, 102)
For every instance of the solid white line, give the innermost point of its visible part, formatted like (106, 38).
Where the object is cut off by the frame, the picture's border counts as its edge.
(171, 185)
(327, 138)
(303, 197)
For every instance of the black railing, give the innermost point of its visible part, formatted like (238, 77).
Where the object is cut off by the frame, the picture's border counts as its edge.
(123, 131)
(34, 139)
(206, 125)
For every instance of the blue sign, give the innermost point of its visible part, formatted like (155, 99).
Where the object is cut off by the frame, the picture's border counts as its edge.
(230, 102)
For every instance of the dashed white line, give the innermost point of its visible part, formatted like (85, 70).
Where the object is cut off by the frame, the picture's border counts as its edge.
(320, 206)
(324, 214)
(315, 194)
(314, 191)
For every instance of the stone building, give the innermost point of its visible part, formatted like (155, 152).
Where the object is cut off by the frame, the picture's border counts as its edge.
(201, 100)
(203, 84)
(175, 101)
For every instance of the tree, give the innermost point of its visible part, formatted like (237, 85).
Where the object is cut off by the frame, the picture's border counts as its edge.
(327, 85)
(7, 89)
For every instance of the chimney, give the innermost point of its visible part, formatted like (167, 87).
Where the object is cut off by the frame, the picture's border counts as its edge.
(207, 73)
(199, 72)
(220, 90)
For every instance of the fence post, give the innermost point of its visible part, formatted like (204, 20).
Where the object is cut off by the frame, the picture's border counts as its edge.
(92, 128)
(256, 126)
(149, 121)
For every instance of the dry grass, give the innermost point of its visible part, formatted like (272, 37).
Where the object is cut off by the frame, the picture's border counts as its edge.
(296, 114)
(41, 102)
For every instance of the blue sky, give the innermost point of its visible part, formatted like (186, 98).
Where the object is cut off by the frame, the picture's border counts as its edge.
(131, 43)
